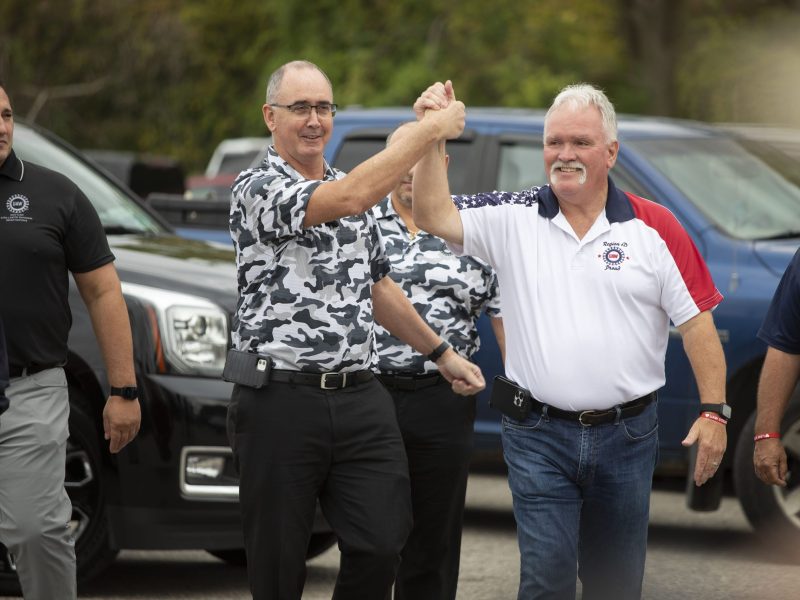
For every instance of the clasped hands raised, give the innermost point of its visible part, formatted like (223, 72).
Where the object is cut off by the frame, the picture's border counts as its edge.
(438, 103)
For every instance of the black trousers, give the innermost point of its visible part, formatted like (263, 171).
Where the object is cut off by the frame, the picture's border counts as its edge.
(437, 427)
(296, 443)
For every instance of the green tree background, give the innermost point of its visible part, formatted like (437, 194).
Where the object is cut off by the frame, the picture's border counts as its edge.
(176, 76)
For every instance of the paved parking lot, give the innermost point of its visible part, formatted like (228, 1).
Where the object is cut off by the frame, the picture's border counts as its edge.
(713, 556)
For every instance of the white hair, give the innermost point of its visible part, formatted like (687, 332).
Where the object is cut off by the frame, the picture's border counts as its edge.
(583, 95)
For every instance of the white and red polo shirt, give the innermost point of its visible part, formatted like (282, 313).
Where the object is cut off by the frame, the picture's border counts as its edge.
(587, 320)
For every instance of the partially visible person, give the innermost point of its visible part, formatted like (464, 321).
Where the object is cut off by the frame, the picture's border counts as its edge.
(48, 228)
(308, 420)
(590, 278)
(779, 375)
(449, 293)
(3, 370)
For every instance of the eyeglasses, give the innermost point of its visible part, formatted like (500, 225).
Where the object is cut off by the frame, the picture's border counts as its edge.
(303, 109)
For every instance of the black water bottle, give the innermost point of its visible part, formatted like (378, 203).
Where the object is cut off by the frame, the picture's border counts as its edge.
(707, 497)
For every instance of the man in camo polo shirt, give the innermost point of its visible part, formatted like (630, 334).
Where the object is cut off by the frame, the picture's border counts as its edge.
(449, 293)
(311, 276)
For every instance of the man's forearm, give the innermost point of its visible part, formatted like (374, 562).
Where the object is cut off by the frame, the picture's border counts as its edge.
(112, 329)
(776, 385)
(434, 210)
(102, 294)
(702, 346)
(394, 312)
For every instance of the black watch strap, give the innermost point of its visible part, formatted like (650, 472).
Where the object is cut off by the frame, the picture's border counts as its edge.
(722, 409)
(128, 393)
(438, 351)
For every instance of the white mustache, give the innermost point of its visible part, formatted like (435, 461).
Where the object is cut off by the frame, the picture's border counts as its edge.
(572, 164)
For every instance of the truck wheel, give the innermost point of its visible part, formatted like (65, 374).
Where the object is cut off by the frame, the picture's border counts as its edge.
(318, 544)
(88, 524)
(773, 511)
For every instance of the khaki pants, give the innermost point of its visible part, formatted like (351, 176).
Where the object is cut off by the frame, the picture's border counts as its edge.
(34, 507)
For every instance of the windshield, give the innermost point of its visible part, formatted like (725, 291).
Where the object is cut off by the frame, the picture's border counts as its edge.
(744, 194)
(118, 212)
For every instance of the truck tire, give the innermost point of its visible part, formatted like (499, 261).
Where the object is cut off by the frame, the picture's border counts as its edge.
(773, 511)
(89, 524)
(318, 544)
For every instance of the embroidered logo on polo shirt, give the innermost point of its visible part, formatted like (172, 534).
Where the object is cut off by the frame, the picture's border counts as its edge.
(614, 255)
(17, 205)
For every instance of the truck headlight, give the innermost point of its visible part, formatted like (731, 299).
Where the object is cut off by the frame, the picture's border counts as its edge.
(193, 330)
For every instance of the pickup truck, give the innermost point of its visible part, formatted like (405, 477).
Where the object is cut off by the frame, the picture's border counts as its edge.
(174, 486)
(740, 202)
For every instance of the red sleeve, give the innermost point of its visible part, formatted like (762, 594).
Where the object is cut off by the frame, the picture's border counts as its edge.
(691, 265)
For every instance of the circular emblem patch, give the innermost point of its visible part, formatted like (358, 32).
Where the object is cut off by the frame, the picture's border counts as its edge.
(17, 204)
(613, 256)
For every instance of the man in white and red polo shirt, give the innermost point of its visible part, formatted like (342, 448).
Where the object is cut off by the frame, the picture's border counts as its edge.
(590, 278)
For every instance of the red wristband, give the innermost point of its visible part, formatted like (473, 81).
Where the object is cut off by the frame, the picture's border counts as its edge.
(765, 436)
(714, 417)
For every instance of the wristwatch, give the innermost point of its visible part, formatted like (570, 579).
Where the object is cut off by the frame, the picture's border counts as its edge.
(128, 393)
(438, 351)
(723, 410)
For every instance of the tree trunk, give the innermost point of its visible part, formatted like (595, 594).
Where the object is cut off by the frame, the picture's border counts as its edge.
(653, 29)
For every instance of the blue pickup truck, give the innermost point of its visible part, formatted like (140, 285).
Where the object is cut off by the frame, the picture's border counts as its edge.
(738, 198)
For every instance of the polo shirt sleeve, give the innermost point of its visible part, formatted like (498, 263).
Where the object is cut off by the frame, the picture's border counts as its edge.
(781, 327)
(687, 288)
(493, 305)
(85, 244)
(271, 205)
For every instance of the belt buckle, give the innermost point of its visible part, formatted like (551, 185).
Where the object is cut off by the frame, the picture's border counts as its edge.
(580, 417)
(323, 382)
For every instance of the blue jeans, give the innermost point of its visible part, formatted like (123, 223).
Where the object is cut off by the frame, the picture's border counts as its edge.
(581, 502)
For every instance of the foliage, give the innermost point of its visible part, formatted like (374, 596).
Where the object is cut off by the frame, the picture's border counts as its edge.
(177, 76)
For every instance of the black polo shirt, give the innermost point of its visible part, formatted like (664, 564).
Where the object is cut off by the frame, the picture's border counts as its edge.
(47, 228)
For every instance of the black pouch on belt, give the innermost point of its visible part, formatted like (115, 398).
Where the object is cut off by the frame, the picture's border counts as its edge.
(247, 368)
(510, 399)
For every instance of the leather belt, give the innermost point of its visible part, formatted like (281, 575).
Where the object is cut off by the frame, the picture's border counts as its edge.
(18, 371)
(325, 381)
(597, 417)
(409, 381)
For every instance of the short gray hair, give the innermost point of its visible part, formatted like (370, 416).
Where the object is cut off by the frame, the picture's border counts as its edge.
(396, 129)
(583, 95)
(274, 83)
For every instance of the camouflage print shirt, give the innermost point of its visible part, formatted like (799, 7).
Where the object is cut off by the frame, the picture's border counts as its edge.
(305, 293)
(449, 292)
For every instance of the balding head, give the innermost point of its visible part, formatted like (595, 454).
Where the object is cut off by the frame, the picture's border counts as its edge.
(275, 80)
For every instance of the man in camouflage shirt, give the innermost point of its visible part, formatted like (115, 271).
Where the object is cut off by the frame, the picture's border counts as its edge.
(312, 281)
(450, 293)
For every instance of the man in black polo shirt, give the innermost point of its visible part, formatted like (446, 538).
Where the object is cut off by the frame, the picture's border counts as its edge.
(48, 229)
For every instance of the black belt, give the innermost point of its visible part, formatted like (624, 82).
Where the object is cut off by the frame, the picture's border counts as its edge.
(18, 371)
(597, 417)
(325, 381)
(409, 381)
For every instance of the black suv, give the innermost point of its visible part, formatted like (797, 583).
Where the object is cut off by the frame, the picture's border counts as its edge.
(174, 486)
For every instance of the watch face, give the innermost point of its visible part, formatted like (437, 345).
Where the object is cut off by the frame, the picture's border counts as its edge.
(723, 410)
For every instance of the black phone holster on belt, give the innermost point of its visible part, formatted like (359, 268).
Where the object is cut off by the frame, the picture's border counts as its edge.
(510, 399)
(247, 368)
